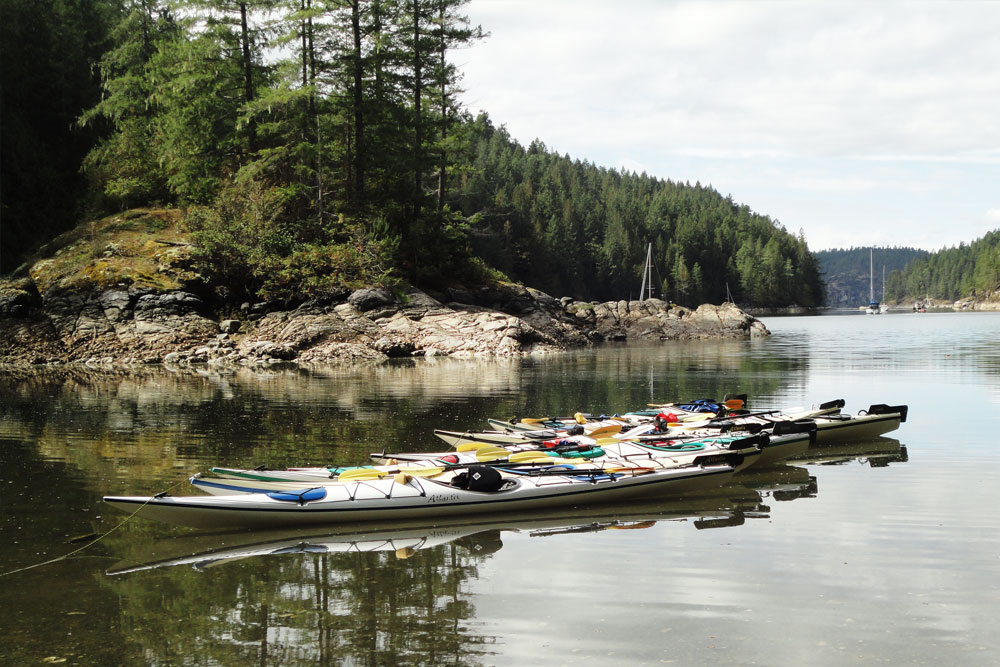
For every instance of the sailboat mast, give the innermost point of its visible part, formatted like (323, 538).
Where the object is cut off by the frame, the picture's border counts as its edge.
(871, 276)
(647, 275)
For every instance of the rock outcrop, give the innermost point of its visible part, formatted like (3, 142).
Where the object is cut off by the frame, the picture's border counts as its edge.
(989, 301)
(133, 325)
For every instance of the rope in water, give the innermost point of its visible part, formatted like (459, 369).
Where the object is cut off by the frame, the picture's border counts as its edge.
(95, 540)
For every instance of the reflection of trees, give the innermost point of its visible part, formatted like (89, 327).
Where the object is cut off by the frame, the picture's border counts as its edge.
(628, 377)
(151, 426)
(369, 608)
(366, 597)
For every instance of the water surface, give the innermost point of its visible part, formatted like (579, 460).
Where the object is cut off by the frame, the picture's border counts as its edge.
(863, 553)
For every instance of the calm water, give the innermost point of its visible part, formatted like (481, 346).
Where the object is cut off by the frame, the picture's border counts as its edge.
(884, 551)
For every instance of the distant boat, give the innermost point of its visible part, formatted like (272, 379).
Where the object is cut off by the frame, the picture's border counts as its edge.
(883, 307)
(874, 308)
(647, 276)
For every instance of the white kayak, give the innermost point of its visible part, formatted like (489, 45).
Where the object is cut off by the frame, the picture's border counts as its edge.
(686, 451)
(387, 463)
(502, 438)
(739, 452)
(768, 450)
(836, 427)
(562, 426)
(405, 497)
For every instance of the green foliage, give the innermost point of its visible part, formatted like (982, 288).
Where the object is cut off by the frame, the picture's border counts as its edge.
(323, 141)
(569, 227)
(46, 51)
(123, 168)
(245, 242)
(950, 274)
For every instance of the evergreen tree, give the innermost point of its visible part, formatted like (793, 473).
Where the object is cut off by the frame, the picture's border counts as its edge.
(48, 49)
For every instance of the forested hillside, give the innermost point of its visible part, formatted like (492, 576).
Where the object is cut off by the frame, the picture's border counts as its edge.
(572, 228)
(847, 276)
(951, 274)
(317, 144)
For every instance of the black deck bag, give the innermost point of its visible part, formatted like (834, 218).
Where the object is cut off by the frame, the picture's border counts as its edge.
(479, 478)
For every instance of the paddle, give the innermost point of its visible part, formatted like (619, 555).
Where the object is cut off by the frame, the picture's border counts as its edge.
(730, 403)
(470, 446)
(539, 420)
(531, 456)
(662, 437)
(483, 455)
(521, 463)
(572, 472)
(602, 430)
(763, 413)
(487, 453)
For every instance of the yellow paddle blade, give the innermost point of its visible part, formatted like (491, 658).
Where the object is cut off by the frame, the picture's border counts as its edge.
(534, 420)
(469, 446)
(605, 430)
(659, 405)
(361, 474)
(634, 471)
(422, 472)
(491, 453)
(530, 457)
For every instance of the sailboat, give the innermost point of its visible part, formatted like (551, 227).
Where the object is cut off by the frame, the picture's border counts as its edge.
(883, 307)
(873, 305)
(647, 276)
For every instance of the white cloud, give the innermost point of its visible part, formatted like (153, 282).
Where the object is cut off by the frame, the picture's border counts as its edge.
(738, 89)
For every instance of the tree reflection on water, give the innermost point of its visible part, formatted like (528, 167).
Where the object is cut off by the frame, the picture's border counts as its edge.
(380, 595)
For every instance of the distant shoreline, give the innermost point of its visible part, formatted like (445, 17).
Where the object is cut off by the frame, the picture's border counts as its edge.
(127, 327)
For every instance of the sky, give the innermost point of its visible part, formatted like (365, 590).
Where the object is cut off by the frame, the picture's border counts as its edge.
(859, 123)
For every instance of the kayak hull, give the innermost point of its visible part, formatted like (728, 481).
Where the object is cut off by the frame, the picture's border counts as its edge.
(390, 500)
(857, 427)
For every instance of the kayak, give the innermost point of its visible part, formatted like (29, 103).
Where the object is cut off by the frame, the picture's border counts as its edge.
(391, 462)
(767, 449)
(224, 485)
(699, 409)
(582, 425)
(502, 438)
(727, 505)
(693, 414)
(877, 420)
(617, 454)
(610, 451)
(404, 496)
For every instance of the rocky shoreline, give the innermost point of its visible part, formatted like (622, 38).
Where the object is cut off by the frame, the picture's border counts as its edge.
(974, 303)
(128, 326)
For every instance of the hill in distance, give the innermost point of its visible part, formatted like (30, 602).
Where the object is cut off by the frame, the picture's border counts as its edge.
(847, 275)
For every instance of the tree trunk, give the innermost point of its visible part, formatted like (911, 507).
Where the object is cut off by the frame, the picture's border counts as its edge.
(359, 143)
(444, 111)
(418, 138)
(248, 77)
(314, 114)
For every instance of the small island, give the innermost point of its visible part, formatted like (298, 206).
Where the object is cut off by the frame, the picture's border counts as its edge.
(122, 291)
